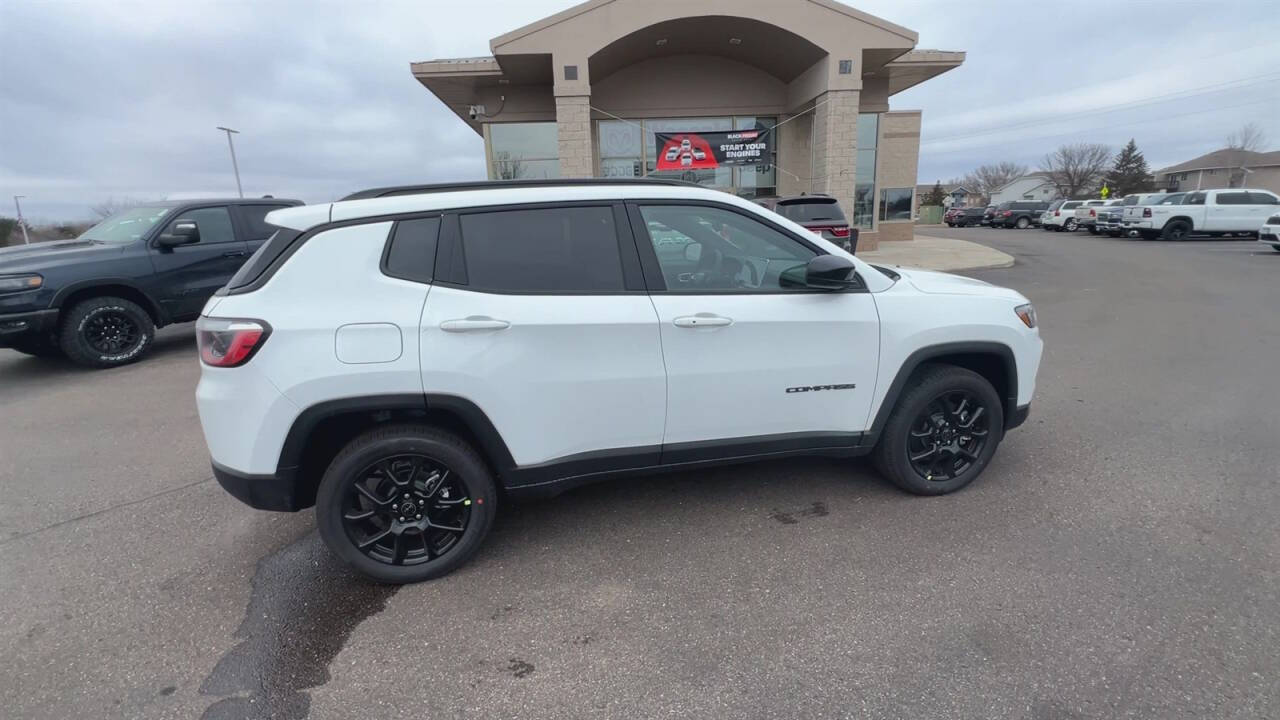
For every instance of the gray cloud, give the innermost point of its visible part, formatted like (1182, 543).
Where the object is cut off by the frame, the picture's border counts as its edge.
(121, 99)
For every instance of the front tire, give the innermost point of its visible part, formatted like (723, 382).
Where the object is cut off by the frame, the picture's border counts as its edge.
(105, 332)
(943, 431)
(1070, 225)
(406, 503)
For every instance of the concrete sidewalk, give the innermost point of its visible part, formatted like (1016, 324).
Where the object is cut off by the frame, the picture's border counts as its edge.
(937, 253)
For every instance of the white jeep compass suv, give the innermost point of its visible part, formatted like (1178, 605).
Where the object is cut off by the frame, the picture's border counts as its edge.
(407, 358)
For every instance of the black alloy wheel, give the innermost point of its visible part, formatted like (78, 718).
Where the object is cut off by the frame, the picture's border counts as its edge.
(406, 510)
(1176, 230)
(943, 431)
(948, 436)
(112, 332)
(406, 503)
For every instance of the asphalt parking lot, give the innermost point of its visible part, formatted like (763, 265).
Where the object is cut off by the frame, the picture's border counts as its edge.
(1120, 558)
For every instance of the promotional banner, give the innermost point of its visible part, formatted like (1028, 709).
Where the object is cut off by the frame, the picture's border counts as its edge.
(705, 150)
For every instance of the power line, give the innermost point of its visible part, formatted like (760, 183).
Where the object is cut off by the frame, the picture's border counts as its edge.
(1162, 118)
(1128, 105)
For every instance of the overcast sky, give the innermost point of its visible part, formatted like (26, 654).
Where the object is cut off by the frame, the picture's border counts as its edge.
(119, 99)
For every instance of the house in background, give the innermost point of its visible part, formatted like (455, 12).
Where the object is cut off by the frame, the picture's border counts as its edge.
(1035, 187)
(1224, 168)
(959, 195)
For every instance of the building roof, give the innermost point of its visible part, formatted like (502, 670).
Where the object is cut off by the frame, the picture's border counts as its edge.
(1226, 158)
(1042, 177)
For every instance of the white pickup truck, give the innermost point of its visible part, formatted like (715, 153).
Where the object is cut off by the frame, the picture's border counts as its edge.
(1238, 211)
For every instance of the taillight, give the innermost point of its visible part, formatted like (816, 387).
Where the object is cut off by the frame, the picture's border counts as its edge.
(1006, 213)
(1146, 212)
(1056, 213)
(229, 342)
(840, 231)
(1093, 213)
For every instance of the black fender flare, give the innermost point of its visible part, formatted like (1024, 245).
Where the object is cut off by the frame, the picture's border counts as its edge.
(470, 414)
(157, 311)
(932, 352)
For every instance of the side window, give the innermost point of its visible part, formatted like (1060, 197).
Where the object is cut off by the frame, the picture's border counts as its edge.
(1194, 199)
(411, 251)
(543, 250)
(1070, 205)
(1231, 198)
(1261, 198)
(705, 249)
(253, 217)
(214, 224)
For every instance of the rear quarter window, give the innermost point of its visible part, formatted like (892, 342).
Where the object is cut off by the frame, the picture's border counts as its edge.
(1231, 198)
(411, 249)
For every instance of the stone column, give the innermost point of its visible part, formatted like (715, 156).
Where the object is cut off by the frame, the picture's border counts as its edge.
(835, 152)
(573, 123)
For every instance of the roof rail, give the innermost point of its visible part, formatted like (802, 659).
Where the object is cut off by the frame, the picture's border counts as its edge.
(498, 184)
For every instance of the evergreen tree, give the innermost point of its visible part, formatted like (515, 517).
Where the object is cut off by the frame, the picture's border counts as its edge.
(936, 196)
(1129, 174)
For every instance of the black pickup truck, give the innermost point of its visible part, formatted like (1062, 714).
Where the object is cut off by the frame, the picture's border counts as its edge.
(99, 298)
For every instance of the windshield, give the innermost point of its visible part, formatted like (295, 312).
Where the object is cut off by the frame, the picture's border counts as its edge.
(126, 225)
(811, 211)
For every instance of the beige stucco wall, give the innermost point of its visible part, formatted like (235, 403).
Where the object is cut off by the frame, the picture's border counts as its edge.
(689, 85)
(795, 155)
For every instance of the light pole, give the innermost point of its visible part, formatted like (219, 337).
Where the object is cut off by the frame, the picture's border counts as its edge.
(234, 166)
(25, 238)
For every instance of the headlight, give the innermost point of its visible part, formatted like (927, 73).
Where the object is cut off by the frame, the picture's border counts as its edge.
(16, 283)
(1027, 314)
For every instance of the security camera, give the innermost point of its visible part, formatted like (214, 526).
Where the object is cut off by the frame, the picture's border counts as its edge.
(475, 111)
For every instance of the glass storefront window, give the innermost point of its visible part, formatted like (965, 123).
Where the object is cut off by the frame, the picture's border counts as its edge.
(864, 194)
(620, 151)
(895, 204)
(523, 150)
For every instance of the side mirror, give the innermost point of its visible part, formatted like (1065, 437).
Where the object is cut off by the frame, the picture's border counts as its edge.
(824, 272)
(183, 232)
(693, 252)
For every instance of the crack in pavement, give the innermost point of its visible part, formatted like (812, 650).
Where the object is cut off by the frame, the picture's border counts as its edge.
(95, 513)
(302, 609)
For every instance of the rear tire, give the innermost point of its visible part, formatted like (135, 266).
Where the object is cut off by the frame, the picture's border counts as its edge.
(105, 332)
(427, 503)
(1023, 223)
(1070, 225)
(925, 407)
(1176, 230)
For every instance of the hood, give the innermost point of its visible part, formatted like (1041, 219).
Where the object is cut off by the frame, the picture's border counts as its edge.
(940, 283)
(33, 257)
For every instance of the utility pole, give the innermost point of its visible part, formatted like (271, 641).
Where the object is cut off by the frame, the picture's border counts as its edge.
(234, 166)
(25, 238)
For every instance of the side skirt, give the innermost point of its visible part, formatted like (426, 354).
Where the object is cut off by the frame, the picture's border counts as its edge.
(552, 478)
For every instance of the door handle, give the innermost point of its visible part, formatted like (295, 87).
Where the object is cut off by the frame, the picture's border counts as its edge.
(701, 320)
(235, 253)
(473, 324)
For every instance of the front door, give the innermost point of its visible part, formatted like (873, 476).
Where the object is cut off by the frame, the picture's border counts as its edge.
(187, 275)
(540, 317)
(752, 366)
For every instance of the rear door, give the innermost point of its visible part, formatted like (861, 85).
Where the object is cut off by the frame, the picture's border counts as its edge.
(188, 275)
(538, 314)
(1262, 205)
(1229, 210)
(752, 366)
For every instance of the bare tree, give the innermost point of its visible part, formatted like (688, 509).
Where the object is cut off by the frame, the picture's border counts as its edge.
(1249, 137)
(111, 206)
(1076, 169)
(988, 178)
(1240, 144)
(507, 167)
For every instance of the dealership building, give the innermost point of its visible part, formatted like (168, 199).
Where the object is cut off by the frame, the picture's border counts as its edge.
(780, 97)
